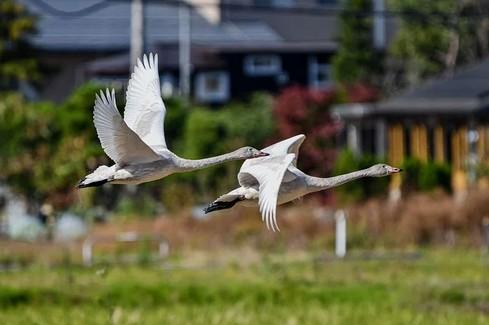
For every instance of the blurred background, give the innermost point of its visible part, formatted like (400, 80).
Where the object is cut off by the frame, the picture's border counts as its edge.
(399, 81)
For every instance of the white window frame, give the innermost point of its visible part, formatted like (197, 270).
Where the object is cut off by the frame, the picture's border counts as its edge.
(314, 69)
(251, 69)
(204, 95)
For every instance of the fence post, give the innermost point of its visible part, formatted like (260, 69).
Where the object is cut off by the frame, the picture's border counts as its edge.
(87, 252)
(340, 219)
(485, 232)
(163, 249)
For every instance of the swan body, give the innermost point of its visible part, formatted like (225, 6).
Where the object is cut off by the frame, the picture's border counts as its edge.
(274, 180)
(136, 143)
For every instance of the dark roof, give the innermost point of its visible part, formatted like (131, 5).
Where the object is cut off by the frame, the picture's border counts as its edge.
(294, 27)
(278, 46)
(109, 27)
(466, 90)
(167, 59)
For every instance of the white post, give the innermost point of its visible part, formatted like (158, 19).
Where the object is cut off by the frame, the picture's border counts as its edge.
(340, 219)
(137, 32)
(380, 134)
(87, 252)
(353, 138)
(163, 249)
(473, 157)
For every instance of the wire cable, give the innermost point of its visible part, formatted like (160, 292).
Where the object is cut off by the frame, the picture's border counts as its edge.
(331, 10)
(50, 9)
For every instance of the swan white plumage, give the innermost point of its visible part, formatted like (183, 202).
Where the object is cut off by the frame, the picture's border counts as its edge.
(137, 143)
(274, 180)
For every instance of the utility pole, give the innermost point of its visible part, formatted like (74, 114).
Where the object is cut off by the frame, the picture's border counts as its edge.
(184, 39)
(137, 32)
(379, 27)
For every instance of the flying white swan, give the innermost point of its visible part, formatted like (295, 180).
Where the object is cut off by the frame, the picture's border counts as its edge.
(276, 180)
(137, 143)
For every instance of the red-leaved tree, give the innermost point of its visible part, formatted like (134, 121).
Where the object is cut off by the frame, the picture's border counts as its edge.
(301, 110)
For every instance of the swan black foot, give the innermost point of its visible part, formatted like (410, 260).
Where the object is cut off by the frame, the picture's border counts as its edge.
(220, 205)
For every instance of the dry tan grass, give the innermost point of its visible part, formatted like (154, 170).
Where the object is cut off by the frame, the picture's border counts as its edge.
(433, 218)
(419, 219)
(426, 218)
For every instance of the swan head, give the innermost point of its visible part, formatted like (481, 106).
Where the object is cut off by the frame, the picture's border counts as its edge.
(381, 170)
(250, 152)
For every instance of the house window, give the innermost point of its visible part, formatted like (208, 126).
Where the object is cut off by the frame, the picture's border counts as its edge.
(275, 3)
(168, 85)
(262, 65)
(212, 86)
(327, 2)
(110, 81)
(319, 73)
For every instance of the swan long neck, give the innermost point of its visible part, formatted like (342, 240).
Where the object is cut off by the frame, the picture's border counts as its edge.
(191, 164)
(315, 184)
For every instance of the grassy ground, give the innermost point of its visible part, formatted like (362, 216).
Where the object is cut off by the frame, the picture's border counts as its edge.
(441, 287)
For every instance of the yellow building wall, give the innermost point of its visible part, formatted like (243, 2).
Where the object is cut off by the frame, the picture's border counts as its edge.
(459, 156)
(419, 149)
(396, 152)
(419, 142)
(439, 143)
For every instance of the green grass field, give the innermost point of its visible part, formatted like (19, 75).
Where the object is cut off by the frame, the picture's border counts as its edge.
(441, 287)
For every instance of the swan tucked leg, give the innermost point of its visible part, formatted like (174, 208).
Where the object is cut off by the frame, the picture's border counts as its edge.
(100, 176)
(228, 200)
(221, 205)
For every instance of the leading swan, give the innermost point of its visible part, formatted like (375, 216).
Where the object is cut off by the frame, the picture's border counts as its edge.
(137, 143)
(275, 179)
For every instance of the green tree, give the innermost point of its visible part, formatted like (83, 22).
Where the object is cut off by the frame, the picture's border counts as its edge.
(210, 132)
(16, 63)
(356, 60)
(437, 36)
(45, 149)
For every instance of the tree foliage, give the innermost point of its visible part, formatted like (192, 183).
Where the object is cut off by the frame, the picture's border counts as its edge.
(45, 148)
(16, 25)
(436, 36)
(213, 132)
(299, 110)
(356, 59)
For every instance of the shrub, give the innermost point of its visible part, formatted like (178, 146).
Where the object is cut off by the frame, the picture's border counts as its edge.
(209, 132)
(419, 176)
(363, 188)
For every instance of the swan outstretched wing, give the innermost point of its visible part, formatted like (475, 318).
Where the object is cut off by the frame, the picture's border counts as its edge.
(145, 112)
(119, 142)
(266, 173)
(290, 145)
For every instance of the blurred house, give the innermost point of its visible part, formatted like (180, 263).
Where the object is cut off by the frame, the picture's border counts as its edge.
(237, 46)
(445, 120)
